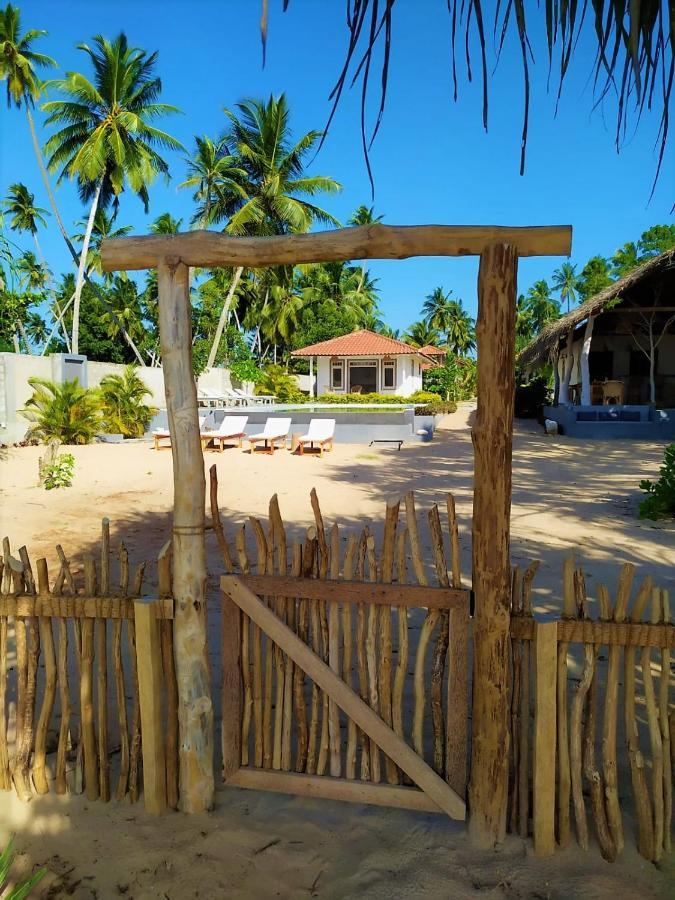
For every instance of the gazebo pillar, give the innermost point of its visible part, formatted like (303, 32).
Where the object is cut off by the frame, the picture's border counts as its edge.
(583, 363)
(492, 440)
(312, 392)
(195, 709)
(567, 370)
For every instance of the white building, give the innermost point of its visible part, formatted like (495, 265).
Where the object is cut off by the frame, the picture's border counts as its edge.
(364, 362)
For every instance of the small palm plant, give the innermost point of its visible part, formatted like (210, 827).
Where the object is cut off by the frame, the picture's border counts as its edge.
(65, 412)
(123, 407)
(24, 886)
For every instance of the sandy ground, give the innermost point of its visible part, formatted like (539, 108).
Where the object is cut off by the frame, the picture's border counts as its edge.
(568, 496)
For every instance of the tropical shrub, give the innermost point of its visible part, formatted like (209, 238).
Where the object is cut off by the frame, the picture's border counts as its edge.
(275, 380)
(454, 380)
(246, 370)
(439, 408)
(531, 397)
(122, 404)
(66, 412)
(424, 397)
(660, 500)
(21, 888)
(59, 473)
(389, 399)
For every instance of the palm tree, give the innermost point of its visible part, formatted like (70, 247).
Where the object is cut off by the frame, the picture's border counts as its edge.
(449, 318)
(541, 307)
(274, 188)
(107, 140)
(626, 259)
(419, 334)
(66, 412)
(25, 215)
(102, 229)
(565, 281)
(216, 177)
(166, 224)
(364, 215)
(123, 403)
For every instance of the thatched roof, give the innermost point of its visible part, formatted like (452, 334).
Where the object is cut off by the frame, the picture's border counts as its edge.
(549, 336)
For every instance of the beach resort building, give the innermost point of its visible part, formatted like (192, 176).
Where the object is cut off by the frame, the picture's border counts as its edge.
(614, 357)
(364, 362)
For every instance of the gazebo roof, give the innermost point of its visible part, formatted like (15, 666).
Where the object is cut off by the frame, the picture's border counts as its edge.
(549, 335)
(359, 343)
(430, 350)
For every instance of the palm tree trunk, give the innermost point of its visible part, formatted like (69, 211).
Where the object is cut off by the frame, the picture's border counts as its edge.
(55, 299)
(62, 228)
(60, 321)
(75, 339)
(15, 341)
(22, 330)
(224, 316)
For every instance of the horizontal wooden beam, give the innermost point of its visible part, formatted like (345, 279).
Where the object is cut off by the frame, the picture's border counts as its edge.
(329, 788)
(210, 248)
(79, 607)
(356, 592)
(624, 634)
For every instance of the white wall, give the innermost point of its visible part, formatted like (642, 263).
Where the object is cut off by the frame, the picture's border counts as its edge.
(17, 368)
(408, 376)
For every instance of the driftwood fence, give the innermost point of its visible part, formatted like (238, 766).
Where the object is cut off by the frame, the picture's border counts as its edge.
(82, 680)
(340, 634)
(567, 756)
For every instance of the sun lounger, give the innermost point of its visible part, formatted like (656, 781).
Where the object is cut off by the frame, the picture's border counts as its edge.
(254, 399)
(230, 429)
(320, 432)
(275, 432)
(209, 397)
(160, 434)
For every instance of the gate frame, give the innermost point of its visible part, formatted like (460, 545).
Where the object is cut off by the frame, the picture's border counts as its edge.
(498, 248)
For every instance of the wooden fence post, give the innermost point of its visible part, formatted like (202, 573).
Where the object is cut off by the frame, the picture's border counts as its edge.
(543, 761)
(492, 440)
(149, 664)
(195, 707)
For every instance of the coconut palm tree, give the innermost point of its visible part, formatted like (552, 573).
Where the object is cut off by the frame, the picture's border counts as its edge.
(541, 307)
(107, 140)
(216, 177)
(421, 333)
(275, 187)
(166, 224)
(460, 333)
(25, 216)
(364, 215)
(102, 230)
(566, 282)
(626, 258)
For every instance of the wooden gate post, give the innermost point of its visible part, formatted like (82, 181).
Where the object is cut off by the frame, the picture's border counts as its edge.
(195, 708)
(149, 668)
(492, 439)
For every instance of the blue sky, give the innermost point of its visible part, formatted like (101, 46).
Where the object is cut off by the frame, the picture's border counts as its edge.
(432, 161)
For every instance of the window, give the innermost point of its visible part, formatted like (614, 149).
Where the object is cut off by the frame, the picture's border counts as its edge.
(336, 376)
(389, 376)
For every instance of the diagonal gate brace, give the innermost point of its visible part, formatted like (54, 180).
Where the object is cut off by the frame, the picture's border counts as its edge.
(401, 753)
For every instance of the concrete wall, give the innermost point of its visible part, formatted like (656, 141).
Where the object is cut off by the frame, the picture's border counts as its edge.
(17, 368)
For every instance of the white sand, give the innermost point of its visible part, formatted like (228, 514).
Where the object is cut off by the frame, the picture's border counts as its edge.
(568, 495)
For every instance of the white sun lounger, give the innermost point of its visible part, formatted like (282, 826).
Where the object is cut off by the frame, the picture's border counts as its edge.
(254, 399)
(209, 397)
(275, 432)
(230, 429)
(160, 434)
(321, 432)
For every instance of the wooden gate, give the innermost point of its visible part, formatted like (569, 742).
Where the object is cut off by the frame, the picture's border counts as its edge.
(336, 687)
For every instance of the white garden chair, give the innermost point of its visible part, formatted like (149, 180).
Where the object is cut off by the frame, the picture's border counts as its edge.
(275, 432)
(230, 429)
(321, 432)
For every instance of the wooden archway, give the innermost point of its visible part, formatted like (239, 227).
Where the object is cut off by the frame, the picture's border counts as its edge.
(498, 248)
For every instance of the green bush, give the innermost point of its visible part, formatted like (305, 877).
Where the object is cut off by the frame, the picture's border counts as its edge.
(275, 380)
(393, 399)
(246, 370)
(530, 398)
(425, 397)
(660, 500)
(24, 886)
(440, 408)
(66, 412)
(122, 404)
(454, 380)
(59, 473)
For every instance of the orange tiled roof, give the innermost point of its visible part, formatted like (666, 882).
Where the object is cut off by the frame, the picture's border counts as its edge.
(430, 350)
(358, 343)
